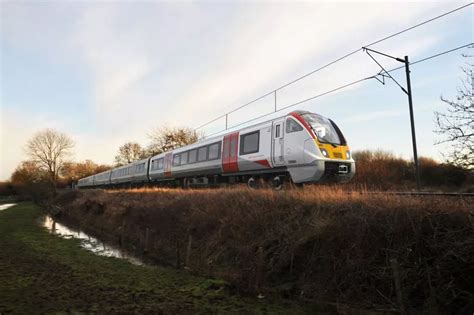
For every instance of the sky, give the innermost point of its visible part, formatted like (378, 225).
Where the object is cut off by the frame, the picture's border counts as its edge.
(110, 72)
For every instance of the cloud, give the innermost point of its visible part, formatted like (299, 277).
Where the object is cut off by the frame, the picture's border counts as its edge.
(195, 63)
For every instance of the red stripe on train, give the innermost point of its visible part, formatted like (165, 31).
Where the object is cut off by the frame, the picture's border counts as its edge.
(263, 163)
(229, 153)
(304, 123)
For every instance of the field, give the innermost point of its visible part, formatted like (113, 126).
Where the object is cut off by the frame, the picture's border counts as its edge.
(41, 273)
(318, 244)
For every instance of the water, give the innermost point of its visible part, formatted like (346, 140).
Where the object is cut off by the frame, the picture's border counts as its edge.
(88, 242)
(6, 206)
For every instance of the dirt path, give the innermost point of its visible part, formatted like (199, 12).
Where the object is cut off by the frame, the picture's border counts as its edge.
(41, 273)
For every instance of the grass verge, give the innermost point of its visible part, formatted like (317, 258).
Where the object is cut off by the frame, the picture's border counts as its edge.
(41, 273)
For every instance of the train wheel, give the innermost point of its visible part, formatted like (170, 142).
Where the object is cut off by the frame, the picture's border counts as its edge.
(252, 183)
(277, 183)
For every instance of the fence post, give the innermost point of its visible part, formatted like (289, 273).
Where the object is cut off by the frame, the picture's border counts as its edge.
(259, 271)
(147, 238)
(178, 255)
(291, 263)
(398, 285)
(188, 250)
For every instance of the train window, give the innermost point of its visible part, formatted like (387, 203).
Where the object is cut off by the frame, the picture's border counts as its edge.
(292, 126)
(184, 158)
(160, 164)
(192, 156)
(249, 143)
(202, 154)
(277, 131)
(176, 159)
(214, 151)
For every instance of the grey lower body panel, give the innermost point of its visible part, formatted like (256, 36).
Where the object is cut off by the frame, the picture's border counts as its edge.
(322, 171)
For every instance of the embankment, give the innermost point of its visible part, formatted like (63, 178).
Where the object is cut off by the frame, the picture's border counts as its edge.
(318, 243)
(41, 273)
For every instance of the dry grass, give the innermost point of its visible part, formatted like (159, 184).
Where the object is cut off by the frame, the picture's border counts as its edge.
(320, 243)
(383, 170)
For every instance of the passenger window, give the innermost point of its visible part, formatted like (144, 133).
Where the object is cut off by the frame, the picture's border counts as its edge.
(249, 143)
(160, 164)
(292, 126)
(202, 154)
(277, 131)
(192, 156)
(176, 159)
(184, 158)
(214, 151)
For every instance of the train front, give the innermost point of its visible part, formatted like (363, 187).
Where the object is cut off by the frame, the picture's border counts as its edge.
(327, 157)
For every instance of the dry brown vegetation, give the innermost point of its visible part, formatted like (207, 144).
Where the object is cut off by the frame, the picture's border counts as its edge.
(382, 170)
(318, 243)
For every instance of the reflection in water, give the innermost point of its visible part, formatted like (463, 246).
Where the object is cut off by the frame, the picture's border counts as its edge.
(88, 242)
(6, 206)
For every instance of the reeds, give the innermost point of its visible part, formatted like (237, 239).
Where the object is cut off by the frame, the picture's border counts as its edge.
(323, 243)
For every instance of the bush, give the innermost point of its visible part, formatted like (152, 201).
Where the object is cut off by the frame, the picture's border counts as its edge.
(7, 189)
(382, 170)
(319, 243)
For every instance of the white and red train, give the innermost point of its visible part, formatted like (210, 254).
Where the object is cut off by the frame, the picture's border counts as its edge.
(300, 147)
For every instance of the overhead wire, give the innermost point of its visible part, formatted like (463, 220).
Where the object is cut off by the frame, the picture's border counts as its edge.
(331, 63)
(341, 87)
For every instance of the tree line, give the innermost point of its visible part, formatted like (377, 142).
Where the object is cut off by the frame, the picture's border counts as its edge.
(50, 164)
(161, 140)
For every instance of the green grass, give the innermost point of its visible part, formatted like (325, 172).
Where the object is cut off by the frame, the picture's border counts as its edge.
(41, 273)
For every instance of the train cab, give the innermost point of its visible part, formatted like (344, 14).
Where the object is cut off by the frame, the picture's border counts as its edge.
(316, 150)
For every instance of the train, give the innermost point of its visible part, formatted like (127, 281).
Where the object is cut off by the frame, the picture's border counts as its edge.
(300, 148)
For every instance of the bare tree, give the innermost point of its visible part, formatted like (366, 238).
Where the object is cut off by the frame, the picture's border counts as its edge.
(165, 138)
(129, 152)
(49, 149)
(456, 124)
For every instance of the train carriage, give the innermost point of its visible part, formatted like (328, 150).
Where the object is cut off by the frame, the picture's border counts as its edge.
(301, 147)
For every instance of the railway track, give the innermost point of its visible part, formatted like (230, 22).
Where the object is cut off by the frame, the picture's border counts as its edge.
(423, 193)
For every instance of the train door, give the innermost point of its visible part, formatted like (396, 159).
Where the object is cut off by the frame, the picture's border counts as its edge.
(167, 164)
(229, 153)
(277, 143)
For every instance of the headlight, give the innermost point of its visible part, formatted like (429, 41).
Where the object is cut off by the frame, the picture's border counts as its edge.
(324, 152)
(348, 155)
